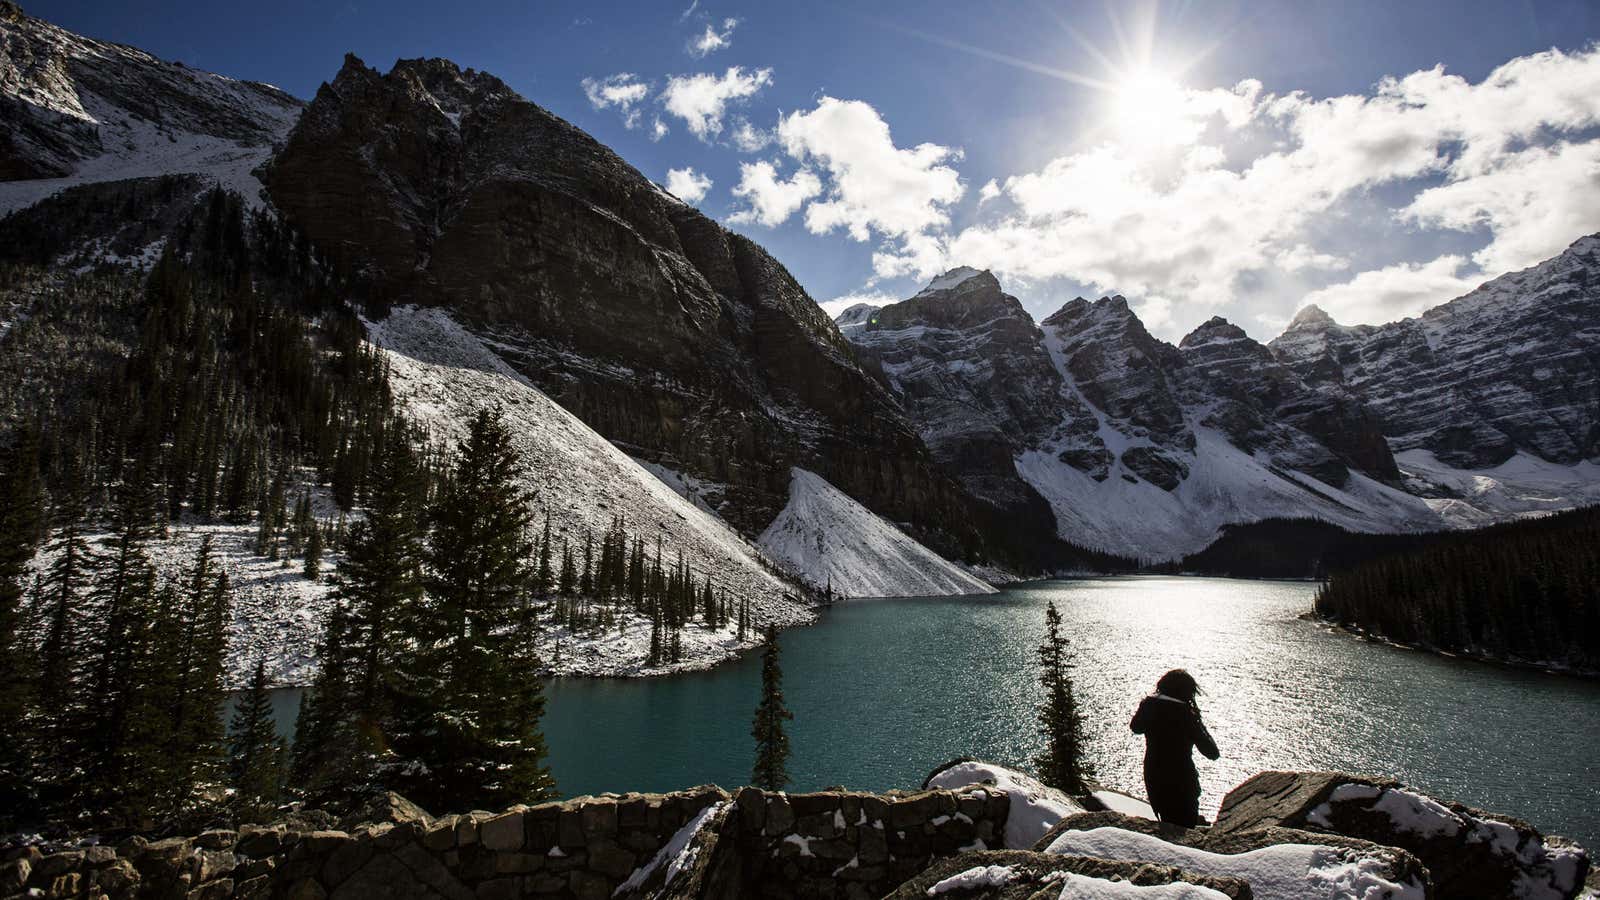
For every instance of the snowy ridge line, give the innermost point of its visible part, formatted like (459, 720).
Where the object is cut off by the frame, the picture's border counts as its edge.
(831, 541)
(442, 375)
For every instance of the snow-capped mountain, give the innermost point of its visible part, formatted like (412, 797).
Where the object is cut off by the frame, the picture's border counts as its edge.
(1145, 448)
(1512, 367)
(75, 110)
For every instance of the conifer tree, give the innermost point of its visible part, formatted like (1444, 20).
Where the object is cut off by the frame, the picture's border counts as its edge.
(327, 764)
(1063, 762)
(569, 575)
(255, 751)
(21, 529)
(313, 560)
(771, 770)
(480, 742)
(542, 581)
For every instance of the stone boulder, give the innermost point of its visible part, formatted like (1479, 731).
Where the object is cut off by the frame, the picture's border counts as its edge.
(1468, 852)
(1019, 874)
(385, 807)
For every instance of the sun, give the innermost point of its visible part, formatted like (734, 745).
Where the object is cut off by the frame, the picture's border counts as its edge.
(1145, 103)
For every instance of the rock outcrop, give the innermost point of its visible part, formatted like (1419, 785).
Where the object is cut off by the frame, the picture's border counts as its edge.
(678, 340)
(1468, 853)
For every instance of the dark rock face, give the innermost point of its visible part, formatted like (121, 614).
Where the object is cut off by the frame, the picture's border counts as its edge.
(1514, 365)
(1468, 853)
(1122, 369)
(673, 337)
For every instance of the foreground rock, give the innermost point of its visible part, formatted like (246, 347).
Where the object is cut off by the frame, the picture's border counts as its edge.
(1280, 835)
(1468, 852)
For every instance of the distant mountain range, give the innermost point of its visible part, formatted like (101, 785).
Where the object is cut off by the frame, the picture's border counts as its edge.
(1481, 409)
(946, 434)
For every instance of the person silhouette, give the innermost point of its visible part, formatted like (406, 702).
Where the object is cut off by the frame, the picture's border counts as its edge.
(1170, 721)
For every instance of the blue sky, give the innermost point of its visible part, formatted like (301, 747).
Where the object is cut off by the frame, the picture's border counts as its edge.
(1202, 158)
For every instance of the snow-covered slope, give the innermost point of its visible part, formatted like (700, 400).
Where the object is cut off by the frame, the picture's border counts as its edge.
(442, 375)
(76, 110)
(831, 540)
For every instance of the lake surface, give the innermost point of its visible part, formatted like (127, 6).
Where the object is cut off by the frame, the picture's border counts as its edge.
(883, 691)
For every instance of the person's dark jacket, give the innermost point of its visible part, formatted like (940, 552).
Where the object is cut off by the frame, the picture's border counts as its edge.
(1171, 728)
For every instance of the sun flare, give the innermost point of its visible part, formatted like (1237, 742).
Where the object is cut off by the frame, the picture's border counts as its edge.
(1145, 102)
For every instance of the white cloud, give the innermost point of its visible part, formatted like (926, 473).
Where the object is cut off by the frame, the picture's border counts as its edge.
(1255, 186)
(1393, 292)
(690, 11)
(989, 191)
(713, 39)
(623, 90)
(701, 100)
(688, 185)
(873, 185)
(658, 130)
(771, 199)
(748, 137)
(844, 301)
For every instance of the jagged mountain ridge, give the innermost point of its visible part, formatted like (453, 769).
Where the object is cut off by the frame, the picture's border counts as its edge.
(684, 343)
(1142, 446)
(1513, 366)
(74, 109)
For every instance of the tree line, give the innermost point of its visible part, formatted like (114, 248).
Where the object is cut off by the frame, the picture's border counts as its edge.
(1526, 590)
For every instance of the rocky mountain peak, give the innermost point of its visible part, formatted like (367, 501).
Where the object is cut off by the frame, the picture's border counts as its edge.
(963, 278)
(66, 99)
(855, 316)
(1310, 317)
(1214, 330)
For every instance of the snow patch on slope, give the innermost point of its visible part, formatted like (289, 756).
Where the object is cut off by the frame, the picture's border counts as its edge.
(442, 375)
(1224, 485)
(828, 538)
(1522, 486)
(950, 279)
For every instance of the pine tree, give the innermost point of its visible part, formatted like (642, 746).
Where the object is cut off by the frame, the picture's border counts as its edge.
(380, 583)
(483, 745)
(542, 578)
(21, 529)
(569, 575)
(771, 770)
(1062, 763)
(255, 752)
(313, 561)
(328, 765)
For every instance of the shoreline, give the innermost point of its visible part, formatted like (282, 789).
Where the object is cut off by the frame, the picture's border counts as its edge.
(1547, 668)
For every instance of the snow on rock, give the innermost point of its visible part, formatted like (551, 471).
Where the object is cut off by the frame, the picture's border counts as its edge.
(81, 110)
(829, 539)
(676, 855)
(976, 878)
(1085, 887)
(442, 375)
(1122, 803)
(1281, 872)
(1542, 869)
(950, 279)
(1035, 807)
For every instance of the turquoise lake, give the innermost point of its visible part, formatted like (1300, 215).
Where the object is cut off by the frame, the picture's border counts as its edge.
(883, 691)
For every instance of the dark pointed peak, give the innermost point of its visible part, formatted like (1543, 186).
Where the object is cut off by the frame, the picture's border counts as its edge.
(1214, 330)
(1069, 311)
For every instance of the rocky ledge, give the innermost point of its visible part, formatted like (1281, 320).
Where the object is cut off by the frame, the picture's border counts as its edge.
(1280, 834)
